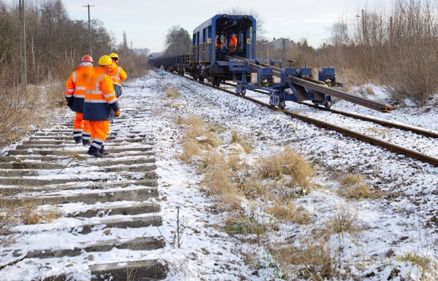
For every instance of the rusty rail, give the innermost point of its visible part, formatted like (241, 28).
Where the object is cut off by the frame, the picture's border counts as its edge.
(385, 123)
(346, 132)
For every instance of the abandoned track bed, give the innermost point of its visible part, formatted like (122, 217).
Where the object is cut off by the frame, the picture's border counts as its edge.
(410, 153)
(80, 217)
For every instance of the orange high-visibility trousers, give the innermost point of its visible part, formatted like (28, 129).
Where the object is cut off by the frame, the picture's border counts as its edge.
(80, 129)
(99, 131)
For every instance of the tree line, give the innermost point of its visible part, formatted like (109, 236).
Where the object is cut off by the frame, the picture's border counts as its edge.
(54, 42)
(397, 49)
(54, 45)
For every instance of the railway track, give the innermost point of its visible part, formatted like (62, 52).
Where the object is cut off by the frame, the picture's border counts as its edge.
(344, 131)
(82, 216)
(385, 123)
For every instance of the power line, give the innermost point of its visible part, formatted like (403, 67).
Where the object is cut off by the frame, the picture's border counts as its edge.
(90, 42)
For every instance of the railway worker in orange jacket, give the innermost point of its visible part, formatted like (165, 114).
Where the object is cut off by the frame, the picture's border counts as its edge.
(219, 43)
(117, 74)
(75, 93)
(232, 43)
(100, 98)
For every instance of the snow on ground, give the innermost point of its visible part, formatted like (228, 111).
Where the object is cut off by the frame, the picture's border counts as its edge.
(425, 116)
(404, 220)
(400, 222)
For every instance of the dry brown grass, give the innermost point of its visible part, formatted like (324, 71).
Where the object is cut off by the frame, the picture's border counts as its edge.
(218, 178)
(234, 163)
(344, 221)
(172, 93)
(253, 188)
(190, 149)
(243, 142)
(424, 263)
(18, 112)
(312, 262)
(28, 213)
(287, 162)
(197, 138)
(289, 212)
(355, 187)
(243, 225)
(351, 179)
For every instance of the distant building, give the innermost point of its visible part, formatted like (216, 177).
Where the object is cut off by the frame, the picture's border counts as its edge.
(144, 51)
(280, 43)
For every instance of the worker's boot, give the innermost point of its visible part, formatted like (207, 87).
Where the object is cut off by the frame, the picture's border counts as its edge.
(86, 139)
(103, 151)
(77, 136)
(94, 151)
(77, 140)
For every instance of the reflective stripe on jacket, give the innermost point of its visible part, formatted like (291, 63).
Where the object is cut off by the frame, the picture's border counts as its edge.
(76, 86)
(118, 75)
(100, 96)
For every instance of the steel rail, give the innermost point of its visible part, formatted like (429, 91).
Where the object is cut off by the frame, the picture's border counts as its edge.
(346, 132)
(385, 123)
(323, 89)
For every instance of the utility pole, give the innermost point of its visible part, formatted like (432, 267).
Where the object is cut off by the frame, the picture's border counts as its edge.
(90, 41)
(364, 28)
(23, 46)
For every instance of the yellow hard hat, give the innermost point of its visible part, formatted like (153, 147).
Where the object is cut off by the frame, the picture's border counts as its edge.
(105, 60)
(114, 56)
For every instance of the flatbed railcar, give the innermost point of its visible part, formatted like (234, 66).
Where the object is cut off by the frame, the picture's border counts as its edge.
(212, 59)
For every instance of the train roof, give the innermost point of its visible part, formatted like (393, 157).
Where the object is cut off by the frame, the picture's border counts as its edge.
(220, 16)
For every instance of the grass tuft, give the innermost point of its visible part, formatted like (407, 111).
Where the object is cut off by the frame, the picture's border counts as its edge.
(172, 93)
(243, 142)
(289, 212)
(416, 259)
(218, 178)
(312, 262)
(287, 162)
(243, 225)
(352, 179)
(197, 137)
(355, 187)
(344, 221)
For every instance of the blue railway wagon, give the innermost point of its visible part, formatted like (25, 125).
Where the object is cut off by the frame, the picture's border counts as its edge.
(208, 59)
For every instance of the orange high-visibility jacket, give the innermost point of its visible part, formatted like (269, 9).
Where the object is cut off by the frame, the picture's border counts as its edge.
(118, 74)
(77, 84)
(232, 42)
(100, 96)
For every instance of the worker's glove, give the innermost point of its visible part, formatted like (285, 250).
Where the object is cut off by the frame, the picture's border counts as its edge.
(117, 113)
(69, 102)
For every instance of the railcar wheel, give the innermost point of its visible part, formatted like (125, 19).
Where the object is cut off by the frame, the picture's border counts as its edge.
(282, 105)
(216, 82)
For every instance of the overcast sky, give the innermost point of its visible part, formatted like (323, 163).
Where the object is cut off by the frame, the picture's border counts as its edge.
(146, 21)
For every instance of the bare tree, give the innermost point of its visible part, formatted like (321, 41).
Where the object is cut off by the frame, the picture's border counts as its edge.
(177, 41)
(339, 34)
(258, 18)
